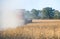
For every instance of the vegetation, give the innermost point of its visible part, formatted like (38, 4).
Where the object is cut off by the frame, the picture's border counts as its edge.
(45, 13)
(45, 30)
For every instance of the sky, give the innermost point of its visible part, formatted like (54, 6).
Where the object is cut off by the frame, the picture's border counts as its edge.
(30, 4)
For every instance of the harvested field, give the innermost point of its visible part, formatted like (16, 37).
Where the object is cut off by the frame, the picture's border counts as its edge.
(40, 30)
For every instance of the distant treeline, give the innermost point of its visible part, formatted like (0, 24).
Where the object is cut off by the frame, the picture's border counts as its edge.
(45, 13)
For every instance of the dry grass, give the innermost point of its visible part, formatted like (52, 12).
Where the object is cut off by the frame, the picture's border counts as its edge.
(43, 30)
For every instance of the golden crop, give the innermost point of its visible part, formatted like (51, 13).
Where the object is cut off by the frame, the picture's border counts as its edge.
(39, 30)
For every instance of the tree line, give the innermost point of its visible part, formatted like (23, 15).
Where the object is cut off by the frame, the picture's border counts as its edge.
(45, 13)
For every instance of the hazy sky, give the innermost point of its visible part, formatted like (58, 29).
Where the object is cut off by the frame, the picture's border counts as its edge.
(29, 4)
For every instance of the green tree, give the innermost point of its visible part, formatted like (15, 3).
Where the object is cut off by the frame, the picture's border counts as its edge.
(35, 13)
(48, 13)
(56, 14)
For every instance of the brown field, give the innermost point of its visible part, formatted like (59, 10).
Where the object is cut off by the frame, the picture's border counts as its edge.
(36, 30)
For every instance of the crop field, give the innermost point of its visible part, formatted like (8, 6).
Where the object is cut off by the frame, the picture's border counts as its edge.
(36, 30)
